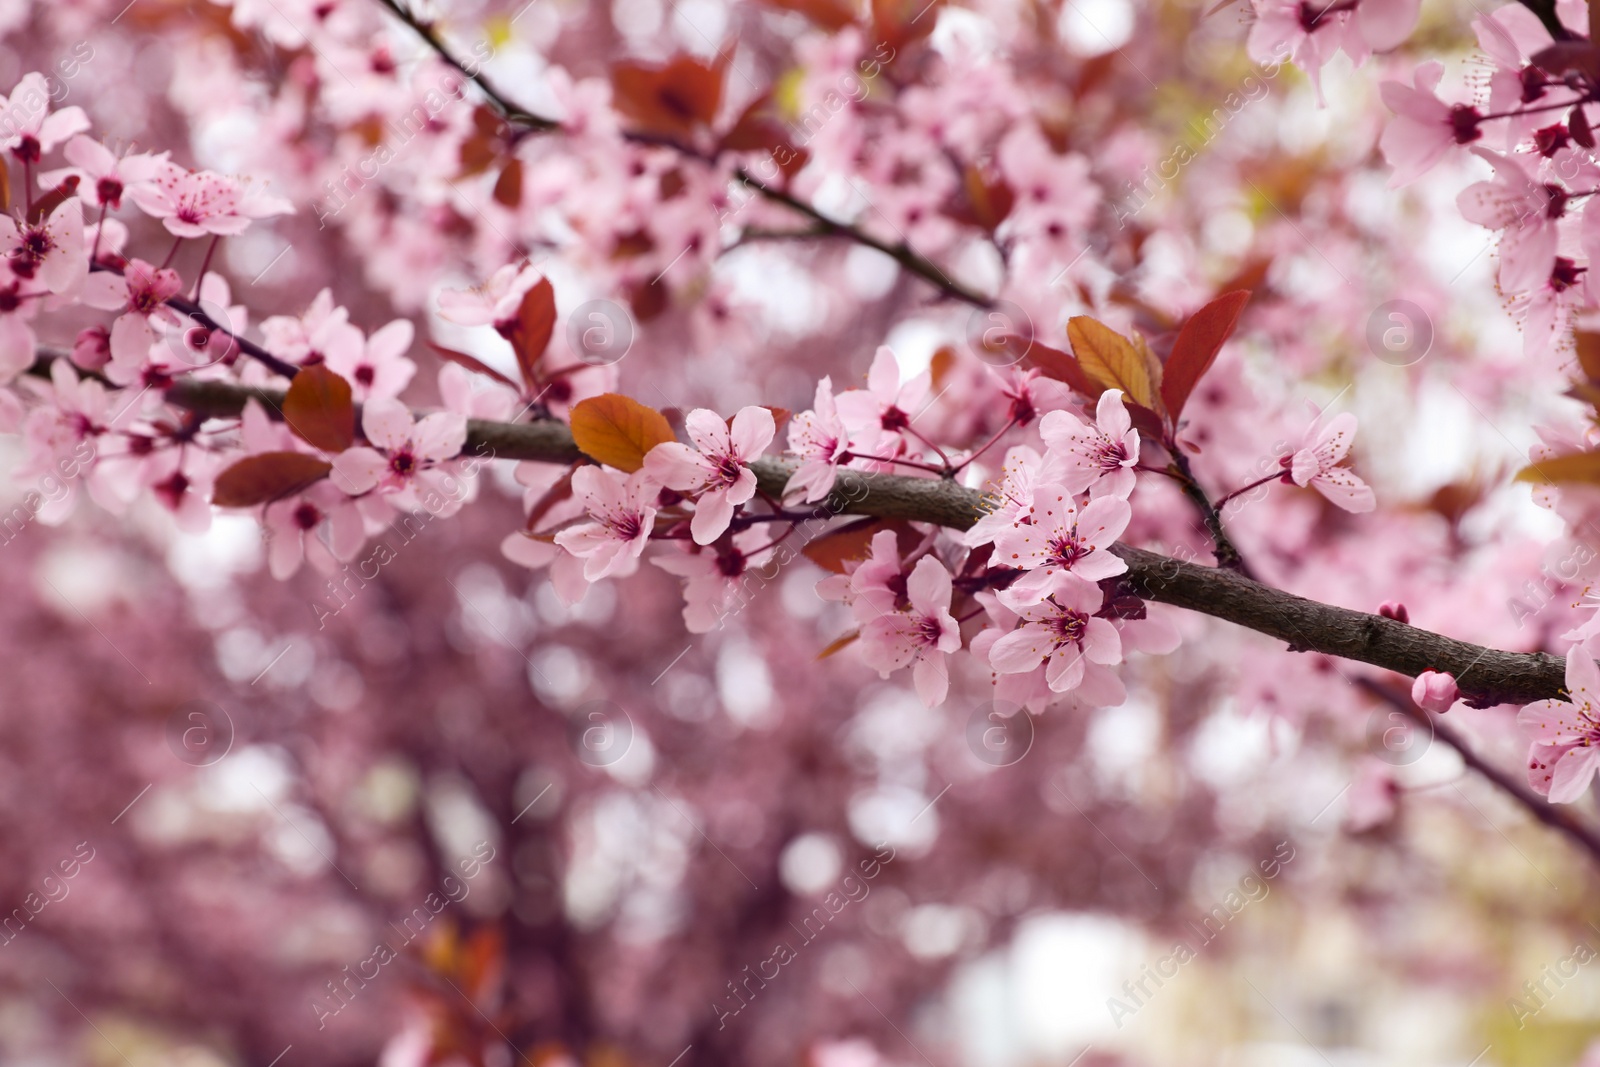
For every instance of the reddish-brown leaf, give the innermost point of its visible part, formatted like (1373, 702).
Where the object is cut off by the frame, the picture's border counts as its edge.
(1577, 468)
(939, 368)
(47, 203)
(486, 144)
(1578, 126)
(1116, 362)
(898, 23)
(319, 409)
(617, 430)
(1197, 346)
(852, 542)
(536, 321)
(508, 187)
(478, 153)
(473, 364)
(1558, 58)
(831, 15)
(1150, 423)
(674, 99)
(648, 299)
(1063, 367)
(267, 476)
(839, 644)
(761, 129)
(558, 492)
(1587, 343)
(489, 122)
(779, 416)
(986, 199)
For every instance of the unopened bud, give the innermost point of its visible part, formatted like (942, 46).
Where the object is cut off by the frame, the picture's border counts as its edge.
(1393, 609)
(1434, 691)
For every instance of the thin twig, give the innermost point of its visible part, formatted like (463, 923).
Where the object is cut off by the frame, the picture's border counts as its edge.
(901, 253)
(1227, 554)
(1558, 819)
(502, 103)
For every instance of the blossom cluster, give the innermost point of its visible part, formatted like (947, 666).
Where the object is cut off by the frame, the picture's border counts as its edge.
(1530, 124)
(1030, 592)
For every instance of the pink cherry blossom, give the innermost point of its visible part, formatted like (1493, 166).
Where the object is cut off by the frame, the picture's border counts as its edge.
(622, 507)
(1393, 609)
(193, 203)
(1316, 463)
(1509, 36)
(1054, 534)
(91, 349)
(1032, 395)
(1055, 198)
(717, 469)
(140, 293)
(78, 414)
(1098, 686)
(1309, 32)
(19, 303)
(1424, 127)
(1434, 691)
(405, 456)
(473, 395)
(1526, 212)
(104, 177)
(1565, 734)
(180, 480)
(53, 251)
(534, 546)
(1024, 471)
(1058, 633)
(27, 125)
(376, 367)
(495, 303)
(1102, 455)
(294, 337)
(822, 442)
(716, 580)
(879, 415)
(293, 527)
(875, 585)
(1548, 308)
(923, 636)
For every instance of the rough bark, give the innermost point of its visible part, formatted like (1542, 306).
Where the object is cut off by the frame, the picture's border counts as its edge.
(1486, 676)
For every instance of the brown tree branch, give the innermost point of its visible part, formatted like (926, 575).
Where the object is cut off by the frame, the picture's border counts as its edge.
(1486, 676)
(902, 253)
(1227, 554)
(516, 115)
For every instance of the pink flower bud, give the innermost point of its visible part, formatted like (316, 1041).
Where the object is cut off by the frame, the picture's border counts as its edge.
(1393, 609)
(1434, 691)
(92, 349)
